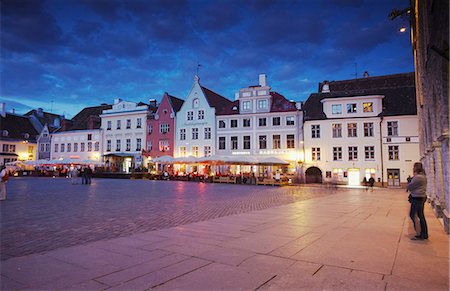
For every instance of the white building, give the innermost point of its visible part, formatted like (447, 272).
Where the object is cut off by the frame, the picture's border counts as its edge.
(362, 128)
(124, 135)
(82, 145)
(195, 122)
(261, 124)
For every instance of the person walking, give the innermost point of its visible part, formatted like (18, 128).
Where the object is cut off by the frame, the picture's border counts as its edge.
(365, 183)
(3, 181)
(371, 183)
(417, 188)
(74, 175)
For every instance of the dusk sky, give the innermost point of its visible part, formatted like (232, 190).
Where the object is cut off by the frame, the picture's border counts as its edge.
(84, 53)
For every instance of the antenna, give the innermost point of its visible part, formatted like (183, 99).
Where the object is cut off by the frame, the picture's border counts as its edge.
(356, 71)
(51, 108)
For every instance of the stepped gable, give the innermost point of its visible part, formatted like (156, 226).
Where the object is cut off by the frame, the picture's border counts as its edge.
(15, 127)
(215, 100)
(398, 90)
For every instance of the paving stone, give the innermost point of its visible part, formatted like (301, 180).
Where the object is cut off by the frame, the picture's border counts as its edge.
(128, 274)
(163, 275)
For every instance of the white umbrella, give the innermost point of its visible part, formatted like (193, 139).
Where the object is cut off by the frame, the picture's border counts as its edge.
(272, 161)
(163, 160)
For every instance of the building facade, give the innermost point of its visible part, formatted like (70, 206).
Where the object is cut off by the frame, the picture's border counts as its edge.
(362, 128)
(430, 33)
(46, 123)
(161, 127)
(17, 137)
(260, 124)
(124, 135)
(82, 145)
(196, 122)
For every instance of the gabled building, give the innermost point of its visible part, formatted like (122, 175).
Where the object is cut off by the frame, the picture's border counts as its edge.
(83, 139)
(161, 127)
(17, 137)
(261, 124)
(365, 127)
(45, 124)
(124, 129)
(196, 122)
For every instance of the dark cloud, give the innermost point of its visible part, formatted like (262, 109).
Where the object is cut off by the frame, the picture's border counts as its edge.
(27, 27)
(94, 51)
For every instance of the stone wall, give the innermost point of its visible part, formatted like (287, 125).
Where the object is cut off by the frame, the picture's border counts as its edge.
(430, 44)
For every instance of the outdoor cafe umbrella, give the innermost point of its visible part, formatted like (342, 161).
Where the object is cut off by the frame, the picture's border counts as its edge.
(272, 161)
(163, 160)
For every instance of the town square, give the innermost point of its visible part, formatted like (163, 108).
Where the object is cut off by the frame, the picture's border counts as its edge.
(224, 145)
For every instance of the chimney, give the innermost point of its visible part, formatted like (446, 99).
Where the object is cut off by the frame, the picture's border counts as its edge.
(299, 105)
(40, 112)
(152, 102)
(3, 109)
(13, 111)
(325, 87)
(117, 100)
(262, 80)
(366, 74)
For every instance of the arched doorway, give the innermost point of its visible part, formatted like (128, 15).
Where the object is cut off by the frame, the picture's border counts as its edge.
(313, 175)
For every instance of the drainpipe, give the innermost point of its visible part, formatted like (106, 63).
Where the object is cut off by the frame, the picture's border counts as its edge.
(381, 151)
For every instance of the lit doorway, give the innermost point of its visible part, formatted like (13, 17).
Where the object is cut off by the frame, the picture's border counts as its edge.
(393, 177)
(353, 177)
(127, 165)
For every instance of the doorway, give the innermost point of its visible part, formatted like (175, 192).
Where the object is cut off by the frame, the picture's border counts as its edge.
(393, 177)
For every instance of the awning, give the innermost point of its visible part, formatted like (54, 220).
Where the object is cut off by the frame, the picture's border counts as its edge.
(122, 155)
(9, 154)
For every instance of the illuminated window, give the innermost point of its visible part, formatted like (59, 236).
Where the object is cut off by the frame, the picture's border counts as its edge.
(337, 130)
(393, 152)
(352, 130)
(315, 154)
(367, 107)
(195, 151)
(182, 151)
(277, 141)
(351, 108)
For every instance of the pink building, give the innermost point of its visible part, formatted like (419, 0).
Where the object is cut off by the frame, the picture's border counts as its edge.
(161, 127)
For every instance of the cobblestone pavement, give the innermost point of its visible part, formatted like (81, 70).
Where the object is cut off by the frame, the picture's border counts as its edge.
(43, 214)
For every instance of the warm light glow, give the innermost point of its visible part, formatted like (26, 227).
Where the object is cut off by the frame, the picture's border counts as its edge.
(23, 156)
(402, 29)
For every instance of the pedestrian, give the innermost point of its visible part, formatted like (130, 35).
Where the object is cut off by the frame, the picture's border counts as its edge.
(74, 175)
(83, 175)
(4, 179)
(371, 182)
(88, 175)
(417, 188)
(409, 179)
(365, 183)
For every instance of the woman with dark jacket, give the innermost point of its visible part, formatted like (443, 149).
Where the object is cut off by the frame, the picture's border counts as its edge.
(417, 188)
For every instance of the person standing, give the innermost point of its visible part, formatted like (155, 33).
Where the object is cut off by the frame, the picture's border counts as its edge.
(417, 187)
(3, 181)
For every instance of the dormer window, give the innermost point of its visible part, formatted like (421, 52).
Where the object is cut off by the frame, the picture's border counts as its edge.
(368, 107)
(246, 105)
(336, 109)
(262, 104)
(351, 108)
